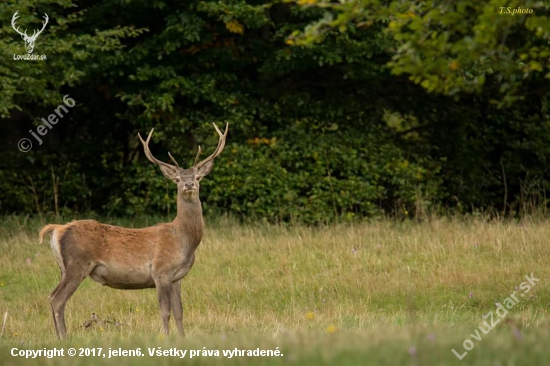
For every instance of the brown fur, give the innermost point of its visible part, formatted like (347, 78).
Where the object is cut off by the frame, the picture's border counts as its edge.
(123, 258)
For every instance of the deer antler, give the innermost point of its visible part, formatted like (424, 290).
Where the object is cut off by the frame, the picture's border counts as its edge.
(151, 157)
(219, 149)
(13, 19)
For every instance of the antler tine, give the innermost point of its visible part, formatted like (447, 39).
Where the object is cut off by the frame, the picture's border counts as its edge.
(197, 157)
(174, 160)
(148, 153)
(219, 148)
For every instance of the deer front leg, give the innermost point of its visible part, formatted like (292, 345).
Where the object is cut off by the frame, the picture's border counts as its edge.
(163, 292)
(176, 305)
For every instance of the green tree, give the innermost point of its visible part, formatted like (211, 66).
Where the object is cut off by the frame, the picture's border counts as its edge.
(499, 46)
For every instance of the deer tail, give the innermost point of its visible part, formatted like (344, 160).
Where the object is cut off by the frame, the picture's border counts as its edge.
(46, 229)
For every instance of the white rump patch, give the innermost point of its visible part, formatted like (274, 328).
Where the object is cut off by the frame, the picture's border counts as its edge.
(56, 249)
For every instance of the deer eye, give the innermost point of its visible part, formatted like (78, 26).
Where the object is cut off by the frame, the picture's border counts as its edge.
(178, 179)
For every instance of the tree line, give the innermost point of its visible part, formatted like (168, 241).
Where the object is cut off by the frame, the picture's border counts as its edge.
(337, 111)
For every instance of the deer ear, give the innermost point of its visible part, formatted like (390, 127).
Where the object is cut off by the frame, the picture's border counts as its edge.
(204, 170)
(168, 172)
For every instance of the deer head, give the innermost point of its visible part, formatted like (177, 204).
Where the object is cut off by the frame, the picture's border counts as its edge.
(187, 180)
(29, 41)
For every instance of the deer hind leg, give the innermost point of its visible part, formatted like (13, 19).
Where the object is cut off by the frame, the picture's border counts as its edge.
(53, 313)
(176, 305)
(70, 281)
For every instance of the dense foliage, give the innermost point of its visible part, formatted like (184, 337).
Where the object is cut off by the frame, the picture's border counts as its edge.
(335, 111)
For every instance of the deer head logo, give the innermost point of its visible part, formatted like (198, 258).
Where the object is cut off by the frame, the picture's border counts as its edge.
(29, 41)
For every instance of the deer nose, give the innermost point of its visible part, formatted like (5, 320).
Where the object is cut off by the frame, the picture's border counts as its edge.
(189, 185)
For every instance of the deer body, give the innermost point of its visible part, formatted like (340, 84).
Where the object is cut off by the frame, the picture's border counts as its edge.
(128, 259)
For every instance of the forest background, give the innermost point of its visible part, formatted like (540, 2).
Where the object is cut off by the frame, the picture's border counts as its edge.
(337, 111)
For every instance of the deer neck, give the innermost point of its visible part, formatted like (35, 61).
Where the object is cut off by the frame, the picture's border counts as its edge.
(189, 223)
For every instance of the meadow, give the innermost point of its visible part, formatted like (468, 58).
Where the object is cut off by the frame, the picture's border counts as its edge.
(372, 293)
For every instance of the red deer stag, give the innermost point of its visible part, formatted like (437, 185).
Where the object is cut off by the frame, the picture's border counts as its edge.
(122, 258)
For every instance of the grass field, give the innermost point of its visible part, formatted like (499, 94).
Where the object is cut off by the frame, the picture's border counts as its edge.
(377, 293)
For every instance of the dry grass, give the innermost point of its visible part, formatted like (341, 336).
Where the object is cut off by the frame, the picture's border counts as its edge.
(378, 282)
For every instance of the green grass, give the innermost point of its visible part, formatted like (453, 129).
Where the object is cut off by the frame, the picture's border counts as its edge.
(378, 293)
